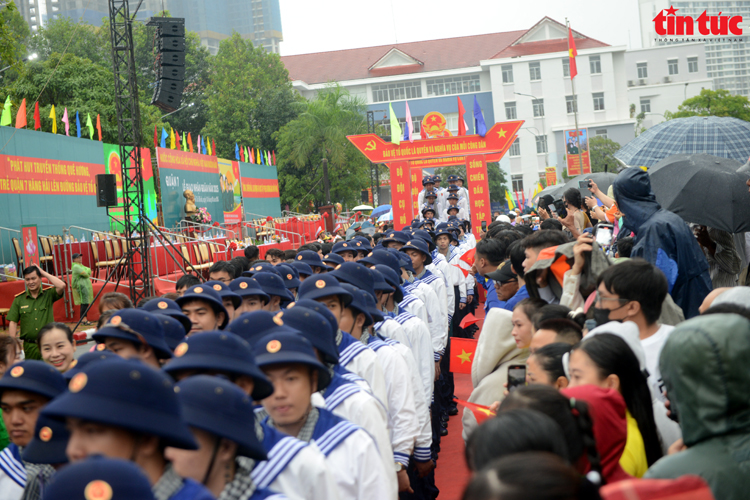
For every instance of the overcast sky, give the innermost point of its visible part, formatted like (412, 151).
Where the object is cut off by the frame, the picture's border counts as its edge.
(324, 25)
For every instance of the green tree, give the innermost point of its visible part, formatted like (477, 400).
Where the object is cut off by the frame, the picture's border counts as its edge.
(713, 103)
(318, 134)
(495, 177)
(72, 37)
(602, 152)
(14, 33)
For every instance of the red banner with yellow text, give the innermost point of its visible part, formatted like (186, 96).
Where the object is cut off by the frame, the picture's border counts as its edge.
(23, 175)
(479, 191)
(401, 200)
(416, 183)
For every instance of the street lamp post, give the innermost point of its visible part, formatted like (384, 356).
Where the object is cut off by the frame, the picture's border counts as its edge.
(30, 57)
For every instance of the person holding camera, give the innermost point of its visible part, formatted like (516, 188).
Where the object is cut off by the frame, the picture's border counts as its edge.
(575, 220)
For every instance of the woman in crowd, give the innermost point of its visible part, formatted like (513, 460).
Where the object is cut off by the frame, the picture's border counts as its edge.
(606, 361)
(57, 346)
(523, 326)
(545, 366)
(573, 203)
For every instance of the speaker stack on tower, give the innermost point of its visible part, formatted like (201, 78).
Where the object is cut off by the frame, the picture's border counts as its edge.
(170, 33)
(106, 190)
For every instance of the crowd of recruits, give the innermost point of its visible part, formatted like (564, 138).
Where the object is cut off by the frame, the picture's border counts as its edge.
(289, 384)
(439, 204)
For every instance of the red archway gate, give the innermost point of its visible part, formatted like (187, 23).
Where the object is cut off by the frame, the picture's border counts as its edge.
(406, 160)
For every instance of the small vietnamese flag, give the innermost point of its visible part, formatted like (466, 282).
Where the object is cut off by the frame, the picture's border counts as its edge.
(190, 141)
(37, 117)
(462, 354)
(481, 412)
(99, 127)
(21, 115)
(572, 53)
(468, 257)
(468, 320)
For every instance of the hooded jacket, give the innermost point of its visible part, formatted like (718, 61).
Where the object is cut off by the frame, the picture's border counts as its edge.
(704, 367)
(663, 239)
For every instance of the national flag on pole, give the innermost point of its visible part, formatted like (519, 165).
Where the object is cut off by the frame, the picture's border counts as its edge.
(481, 412)
(21, 115)
(53, 116)
(479, 126)
(190, 142)
(395, 127)
(509, 199)
(462, 354)
(5, 119)
(66, 121)
(461, 121)
(78, 125)
(99, 127)
(422, 132)
(572, 53)
(409, 128)
(37, 117)
(164, 136)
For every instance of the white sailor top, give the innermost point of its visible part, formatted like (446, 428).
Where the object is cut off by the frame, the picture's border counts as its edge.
(293, 468)
(406, 324)
(358, 359)
(441, 269)
(12, 473)
(437, 323)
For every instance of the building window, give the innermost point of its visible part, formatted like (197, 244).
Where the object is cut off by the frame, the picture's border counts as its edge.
(571, 103)
(535, 71)
(396, 91)
(566, 66)
(642, 69)
(601, 132)
(453, 85)
(541, 144)
(692, 64)
(598, 101)
(507, 70)
(416, 122)
(645, 105)
(538, 107)
(510, 111)
(672, 66)
(595, 64)
(515, 148)
(517, 181)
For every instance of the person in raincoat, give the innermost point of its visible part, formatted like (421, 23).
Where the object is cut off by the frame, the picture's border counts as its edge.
(664, 239)
(704, 367)
(83, 291)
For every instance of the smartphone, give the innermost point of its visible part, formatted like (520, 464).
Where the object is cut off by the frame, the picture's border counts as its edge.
(603, 234)
(516, 377)
(562, 212)
(584, 184)
(484, 226)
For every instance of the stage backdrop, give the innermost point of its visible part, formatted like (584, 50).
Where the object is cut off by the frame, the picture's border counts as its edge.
(260, 190)
(113, 165)
(231, 195)
(180, 171)
(48, 180)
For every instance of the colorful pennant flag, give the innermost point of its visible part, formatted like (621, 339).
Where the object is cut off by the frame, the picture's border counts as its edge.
(461, 121)
(21, 115)
(462, 354)
(5, 119)
(572, 53)
(481, 412)
(53, 116)
(257, 156)
(480, 127)
(203, 145)
(177, 138)
(395, 127)
(190, 141)
(164, 136)
(236, 152)
(274, 157)
(198, 144)
(99, 127)
(90, 126)
(213, 147)
(409, 126)
(78, 125)
(66, 121)
(37, 118)
(209, 147)
(509, 199)
(171, 138)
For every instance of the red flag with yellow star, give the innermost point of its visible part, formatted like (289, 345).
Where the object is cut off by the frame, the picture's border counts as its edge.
(481, 412)
(462, 354)
(572, 53)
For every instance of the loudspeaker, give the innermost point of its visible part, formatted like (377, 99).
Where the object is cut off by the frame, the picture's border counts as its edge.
(106, 190)
(171, 60)
(364, 196)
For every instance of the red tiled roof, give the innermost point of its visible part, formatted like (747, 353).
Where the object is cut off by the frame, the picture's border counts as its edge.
(546, 46)
(353, 64)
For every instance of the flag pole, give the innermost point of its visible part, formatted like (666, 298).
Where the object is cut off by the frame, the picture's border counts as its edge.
(575, 107)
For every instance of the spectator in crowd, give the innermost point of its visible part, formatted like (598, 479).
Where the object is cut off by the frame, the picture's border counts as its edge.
(555, 330)
(275, 256)
(488, 255)
(57, 346)
(252, 253)
(545, 366)
(184, 282)
(83, 291)
(222, 271)
(724, 263)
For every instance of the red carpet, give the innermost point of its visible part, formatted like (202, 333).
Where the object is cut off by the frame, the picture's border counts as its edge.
(451, 473)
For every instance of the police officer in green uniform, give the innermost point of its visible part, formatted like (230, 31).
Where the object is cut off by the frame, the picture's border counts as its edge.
(32, 309)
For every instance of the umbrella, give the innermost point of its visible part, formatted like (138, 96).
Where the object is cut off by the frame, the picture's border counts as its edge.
(603, 181)
(718, 136)
(703, 189)
(380, 210)
(555, 191)
(361, 207)
(386, 217)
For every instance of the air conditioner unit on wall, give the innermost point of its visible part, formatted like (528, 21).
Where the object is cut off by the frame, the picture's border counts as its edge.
(631, 83)
(667, 79)
(642, 81)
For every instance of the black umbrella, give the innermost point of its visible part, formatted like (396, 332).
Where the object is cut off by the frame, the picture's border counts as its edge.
(603, 181)
(703, 189)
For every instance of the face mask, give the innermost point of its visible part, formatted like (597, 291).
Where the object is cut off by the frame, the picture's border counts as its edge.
(601, 316)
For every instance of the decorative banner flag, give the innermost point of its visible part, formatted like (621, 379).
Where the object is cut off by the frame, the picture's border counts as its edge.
(479, 126)
(164, 136)
(184, 142)
(37, 118)
(90, 126)
(66, 121)
(156, 138)
(171, 138)
(209, 147)
(462, 354)
(177, 138)
(236, 152)
(572, 53)
(21, 115)
(468, 320)
(257, 156)
(262, 157)
(99, 127)
(509, 199)
(481, 412)
(198, 144)
(213, 147)
(395, 127)
(461, 121)
(5, 118)
(78, 125)
(190, 141)
(274, 157)
(409, 126)
(53, 116)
